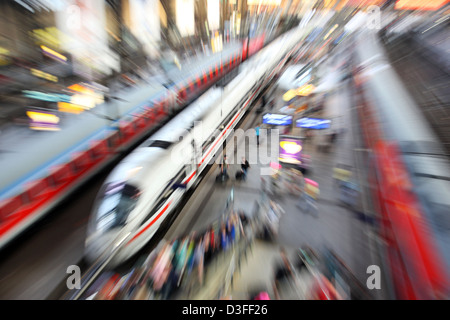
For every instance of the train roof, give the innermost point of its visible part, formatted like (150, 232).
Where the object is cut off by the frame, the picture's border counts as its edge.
(178, 126)
(130, 167)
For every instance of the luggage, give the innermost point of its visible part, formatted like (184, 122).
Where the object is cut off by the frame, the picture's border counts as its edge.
(221, 178)
(239, 175)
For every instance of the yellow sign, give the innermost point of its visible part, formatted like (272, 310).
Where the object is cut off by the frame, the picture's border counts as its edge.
(43, 75)
(69, 107)
(419, 4)
(305, 90)
(289, 95)
(43, 121)
(53, 53)
(85, 97)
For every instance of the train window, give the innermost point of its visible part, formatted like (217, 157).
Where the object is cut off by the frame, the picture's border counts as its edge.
(117, 201)
(159, 144)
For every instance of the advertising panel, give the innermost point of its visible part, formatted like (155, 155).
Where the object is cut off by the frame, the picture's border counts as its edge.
(290, 150)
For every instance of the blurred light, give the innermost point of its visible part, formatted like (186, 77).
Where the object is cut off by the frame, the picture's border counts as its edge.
(53, 53)
(313, 123)
(80, 88)
(290, 150)
(85, 97)
(419, 4)
(185, 17)
(331, 31)
(263, 2)
(311, 188)
(46, 96)
(301, 109)
(69, 108)
(4, 57)
(50, 36)
(43, 121)
(305, 90)
(44, 127)
(213, 14)
(44, 75)
(277, 119)
(42, 117)
(275, 165)
(289, 95)
(132, 172)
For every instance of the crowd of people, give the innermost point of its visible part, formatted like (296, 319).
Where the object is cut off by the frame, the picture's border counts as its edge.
(182, 262)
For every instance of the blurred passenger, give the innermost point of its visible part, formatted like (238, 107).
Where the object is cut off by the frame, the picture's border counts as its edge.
(224, 166)
(232, 231)
(257, 134)
(199, 260)
(191, 255)
(161, 268)
(181, 259)
(243, 218)
(245, 166)
(223, 237)
(207, 246)
(283, 273)
(272, 104)
(213, 242)
(310, 195)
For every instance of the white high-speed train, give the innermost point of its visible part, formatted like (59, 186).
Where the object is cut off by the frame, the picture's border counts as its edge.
(149, 183)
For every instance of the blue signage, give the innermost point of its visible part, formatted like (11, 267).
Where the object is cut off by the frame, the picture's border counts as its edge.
(51, 97)
(277, 119)
(313, 123)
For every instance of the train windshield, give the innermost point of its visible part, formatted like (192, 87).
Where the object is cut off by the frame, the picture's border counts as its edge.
(116, 203)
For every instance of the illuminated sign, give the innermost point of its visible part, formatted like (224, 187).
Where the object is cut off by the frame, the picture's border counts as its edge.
(288, 96)
(305, 90)
(43, 121)
(46, 96)
(419, 4)
(277, 119)
(290, 150)
(53, 54)
(313, 123)
(43, 75)
(69, 108)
